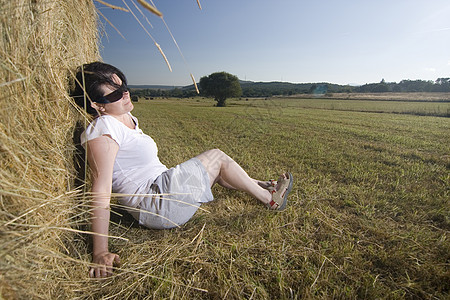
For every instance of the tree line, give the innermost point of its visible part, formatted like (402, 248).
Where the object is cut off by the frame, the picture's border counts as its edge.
(148, 93)
(268, 89)
(406, 86)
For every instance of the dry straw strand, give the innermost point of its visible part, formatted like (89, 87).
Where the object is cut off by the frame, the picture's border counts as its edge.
(112, 25)
(112, 6)
(181, 53)
(199, 5)
(161, 195)
(195, 83)
(151, 8)
(164, 56)
(41, 227)
(140, 11)
(137, 19)
(148, 33)
(12, 81)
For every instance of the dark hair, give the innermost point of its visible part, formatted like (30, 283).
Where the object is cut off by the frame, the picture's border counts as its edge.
(89, 78)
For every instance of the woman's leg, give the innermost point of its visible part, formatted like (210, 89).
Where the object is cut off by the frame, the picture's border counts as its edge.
(264, 184)
(225, 171)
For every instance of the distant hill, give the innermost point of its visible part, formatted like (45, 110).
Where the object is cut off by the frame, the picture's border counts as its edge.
(251, 88)
(276, 88)
(258, 89)
(153, 87)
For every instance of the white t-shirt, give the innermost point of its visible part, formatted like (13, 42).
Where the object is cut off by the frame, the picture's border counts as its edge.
(137, 164)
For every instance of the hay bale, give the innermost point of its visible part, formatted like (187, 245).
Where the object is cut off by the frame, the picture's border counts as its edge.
(41, 42)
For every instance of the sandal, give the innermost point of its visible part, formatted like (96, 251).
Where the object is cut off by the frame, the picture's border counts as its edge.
(268, 185)
(279, 197)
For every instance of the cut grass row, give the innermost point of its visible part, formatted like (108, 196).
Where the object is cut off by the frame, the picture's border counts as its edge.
(420, 108)
(368, 216)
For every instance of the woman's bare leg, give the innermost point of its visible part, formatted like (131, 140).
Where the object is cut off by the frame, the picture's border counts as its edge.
(264, 184)
(225, 171)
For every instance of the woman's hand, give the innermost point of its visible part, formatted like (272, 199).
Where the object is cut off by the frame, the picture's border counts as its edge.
(104, 262)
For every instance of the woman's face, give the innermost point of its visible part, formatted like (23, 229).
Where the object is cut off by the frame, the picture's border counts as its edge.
(119, 107)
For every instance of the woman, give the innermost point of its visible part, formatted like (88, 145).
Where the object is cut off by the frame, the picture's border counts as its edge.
(123, 160)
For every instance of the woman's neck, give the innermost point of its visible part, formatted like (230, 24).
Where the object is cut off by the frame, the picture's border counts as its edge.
(125, 119)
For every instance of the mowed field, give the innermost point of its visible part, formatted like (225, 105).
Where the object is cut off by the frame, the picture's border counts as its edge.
(376, 105)
(368, 216)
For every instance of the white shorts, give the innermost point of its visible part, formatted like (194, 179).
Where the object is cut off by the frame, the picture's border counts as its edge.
(178, 192)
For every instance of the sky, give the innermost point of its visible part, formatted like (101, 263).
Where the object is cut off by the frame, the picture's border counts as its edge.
(298, 41)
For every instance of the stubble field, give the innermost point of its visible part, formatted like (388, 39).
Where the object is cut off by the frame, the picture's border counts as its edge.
(368, 216)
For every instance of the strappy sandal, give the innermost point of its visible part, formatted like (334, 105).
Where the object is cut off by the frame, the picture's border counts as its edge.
(279, 197)
(269, 185)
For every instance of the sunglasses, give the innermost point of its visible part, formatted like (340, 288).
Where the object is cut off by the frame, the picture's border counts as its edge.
(114, 96)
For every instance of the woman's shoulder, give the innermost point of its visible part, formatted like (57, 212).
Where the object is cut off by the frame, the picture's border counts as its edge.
(103, 125)
(105, 120)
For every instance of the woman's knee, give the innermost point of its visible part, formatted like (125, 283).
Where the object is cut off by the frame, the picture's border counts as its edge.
(218, 153)
(213, 155)
(214, 159)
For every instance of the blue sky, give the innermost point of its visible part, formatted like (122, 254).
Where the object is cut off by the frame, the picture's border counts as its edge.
(347, 41)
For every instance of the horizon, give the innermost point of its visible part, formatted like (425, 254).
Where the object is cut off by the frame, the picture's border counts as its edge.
(294, 83)
(345, 43)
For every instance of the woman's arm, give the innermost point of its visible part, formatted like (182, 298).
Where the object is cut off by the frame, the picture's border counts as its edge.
(101, 153)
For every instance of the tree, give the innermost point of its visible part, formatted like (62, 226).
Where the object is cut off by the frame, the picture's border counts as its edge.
(220, 85)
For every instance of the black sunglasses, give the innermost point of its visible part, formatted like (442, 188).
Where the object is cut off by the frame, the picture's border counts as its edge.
(114, 96)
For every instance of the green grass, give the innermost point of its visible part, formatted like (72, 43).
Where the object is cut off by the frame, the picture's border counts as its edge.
(421, 108)
(368, 216)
